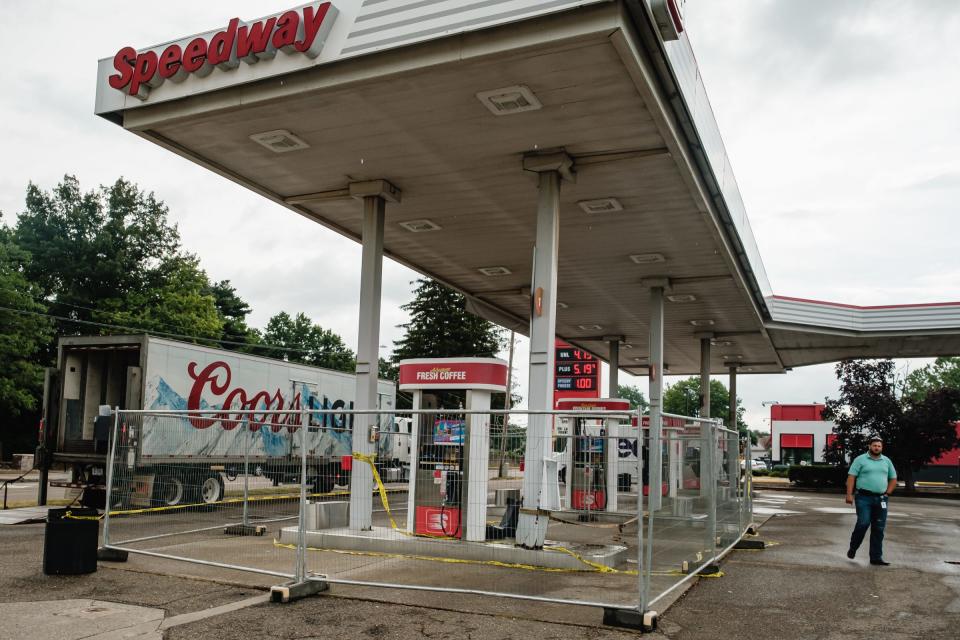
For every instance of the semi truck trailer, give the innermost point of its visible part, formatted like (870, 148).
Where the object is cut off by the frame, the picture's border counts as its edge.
(165, 458)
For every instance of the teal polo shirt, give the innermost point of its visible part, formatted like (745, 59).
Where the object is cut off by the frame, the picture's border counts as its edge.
(872, 475)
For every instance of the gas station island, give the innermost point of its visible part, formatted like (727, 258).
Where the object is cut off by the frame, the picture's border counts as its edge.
(558, 163)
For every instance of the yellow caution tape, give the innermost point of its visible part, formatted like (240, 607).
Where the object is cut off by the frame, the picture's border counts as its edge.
(594, 567)
(192, 505)
(491, 563)
(717, 574)
(69, 515)
(371, 460)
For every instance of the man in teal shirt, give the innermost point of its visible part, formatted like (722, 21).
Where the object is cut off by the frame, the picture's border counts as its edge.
(870, 481)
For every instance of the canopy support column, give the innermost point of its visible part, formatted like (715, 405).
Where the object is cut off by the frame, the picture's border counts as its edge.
(613, 390)
(705, 343)
(612, 444)
(706, 453)
(538, 487)
(734, 458)
(375, 194)
(656, 366)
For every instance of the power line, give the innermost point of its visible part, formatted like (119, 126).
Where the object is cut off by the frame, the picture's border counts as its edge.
(164, 334)
(181, 336)
(114, 315)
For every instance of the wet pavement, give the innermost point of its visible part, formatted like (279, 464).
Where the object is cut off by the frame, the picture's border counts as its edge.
(801, 587)
(805, 587)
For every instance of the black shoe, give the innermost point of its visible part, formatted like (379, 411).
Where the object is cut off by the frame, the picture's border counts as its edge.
(851, 553)
(881, 563)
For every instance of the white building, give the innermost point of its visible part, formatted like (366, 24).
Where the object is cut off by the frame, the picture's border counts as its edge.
(798, 433)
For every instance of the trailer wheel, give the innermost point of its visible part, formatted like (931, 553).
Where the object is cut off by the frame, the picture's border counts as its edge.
(211, 488)
(170, 491)
(323, 481)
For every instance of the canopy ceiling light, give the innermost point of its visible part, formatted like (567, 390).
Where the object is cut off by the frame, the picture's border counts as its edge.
(494, 271)
(600, 205)
(648, 258)
(421, 225)
(682, 297)
(509, 100)
(279, 141)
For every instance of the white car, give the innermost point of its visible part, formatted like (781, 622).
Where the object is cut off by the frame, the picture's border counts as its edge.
(755, 465)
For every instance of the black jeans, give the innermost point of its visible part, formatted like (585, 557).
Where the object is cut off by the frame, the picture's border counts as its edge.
(871, 514)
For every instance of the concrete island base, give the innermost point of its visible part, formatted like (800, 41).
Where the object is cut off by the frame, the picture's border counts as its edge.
(387, 540)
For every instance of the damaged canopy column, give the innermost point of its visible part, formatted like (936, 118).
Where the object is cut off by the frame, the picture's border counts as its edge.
(537, 486)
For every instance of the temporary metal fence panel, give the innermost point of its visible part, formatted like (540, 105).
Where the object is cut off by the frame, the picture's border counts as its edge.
(700, 516)
(453, 529)
(216, 509)
(445, 506)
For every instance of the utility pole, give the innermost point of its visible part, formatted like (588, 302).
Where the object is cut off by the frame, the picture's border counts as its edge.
(506, 405)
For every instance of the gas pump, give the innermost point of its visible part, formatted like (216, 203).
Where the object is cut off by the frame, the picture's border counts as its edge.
(439, 467)
(587, 482)
(449, 447)
(591, 453)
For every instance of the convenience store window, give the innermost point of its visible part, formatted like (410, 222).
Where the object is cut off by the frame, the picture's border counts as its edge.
(796, 448)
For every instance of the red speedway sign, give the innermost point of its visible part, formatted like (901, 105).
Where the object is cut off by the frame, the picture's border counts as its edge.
(298, 31)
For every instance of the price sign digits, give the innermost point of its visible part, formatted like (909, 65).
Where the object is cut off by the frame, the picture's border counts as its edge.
(576, 370)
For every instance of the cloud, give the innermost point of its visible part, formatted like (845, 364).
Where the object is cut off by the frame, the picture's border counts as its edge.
(839, 119)
(943, 181)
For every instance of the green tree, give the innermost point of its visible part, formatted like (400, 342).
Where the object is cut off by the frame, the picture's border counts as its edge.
(440, 326)
(175, 300)
(233, 311)
(298, 339)
(914, 429)
(23, 332)
(388, 370)
(110, 256)
(683, 398)
(634, 395)
(944, 373)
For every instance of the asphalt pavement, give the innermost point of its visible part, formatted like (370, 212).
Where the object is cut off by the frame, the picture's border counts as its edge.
(801, 587)
(804, 587)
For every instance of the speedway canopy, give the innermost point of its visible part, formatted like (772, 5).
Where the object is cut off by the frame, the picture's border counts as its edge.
(443, 98)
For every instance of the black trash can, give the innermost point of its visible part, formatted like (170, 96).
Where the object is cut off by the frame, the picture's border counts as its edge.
(70, 543)
(623, 482)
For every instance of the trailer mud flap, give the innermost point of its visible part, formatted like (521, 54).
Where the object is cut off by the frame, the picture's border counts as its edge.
(141, 491)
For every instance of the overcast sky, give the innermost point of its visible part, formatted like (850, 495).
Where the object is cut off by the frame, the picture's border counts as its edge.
(841, 119)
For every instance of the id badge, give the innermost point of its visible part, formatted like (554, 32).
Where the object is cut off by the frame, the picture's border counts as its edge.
(883, 503)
